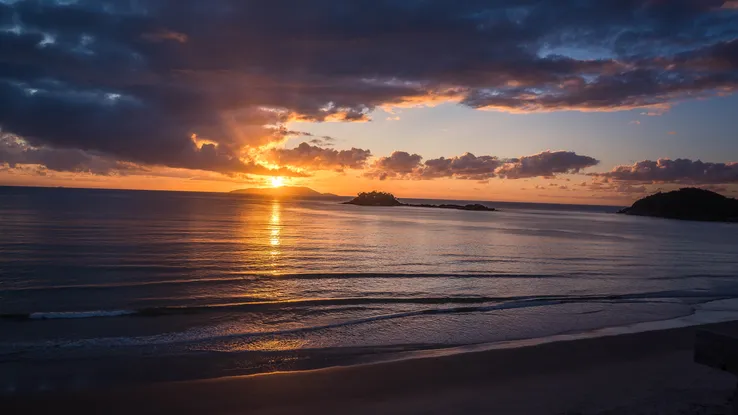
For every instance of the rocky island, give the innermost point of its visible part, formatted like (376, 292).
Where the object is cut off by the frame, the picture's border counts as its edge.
(388, 199)
(375, 199)
(687, 204)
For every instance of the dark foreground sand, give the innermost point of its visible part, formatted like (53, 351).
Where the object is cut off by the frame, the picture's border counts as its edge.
(645, 373)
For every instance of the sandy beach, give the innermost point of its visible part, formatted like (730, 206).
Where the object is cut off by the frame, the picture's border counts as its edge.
(643, 373)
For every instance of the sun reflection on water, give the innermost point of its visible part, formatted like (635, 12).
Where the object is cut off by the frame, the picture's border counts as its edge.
(275, 228)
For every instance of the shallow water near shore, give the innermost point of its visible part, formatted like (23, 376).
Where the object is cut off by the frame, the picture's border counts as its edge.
(100, 288)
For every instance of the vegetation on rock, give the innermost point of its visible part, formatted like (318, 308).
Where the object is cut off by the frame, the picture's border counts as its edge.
(375, 199)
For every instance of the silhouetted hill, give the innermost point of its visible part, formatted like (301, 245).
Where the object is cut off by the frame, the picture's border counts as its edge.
(388, 199)
(687, 204)
(285, 191)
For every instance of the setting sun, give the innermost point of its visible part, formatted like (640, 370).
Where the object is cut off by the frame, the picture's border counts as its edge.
(277, 181)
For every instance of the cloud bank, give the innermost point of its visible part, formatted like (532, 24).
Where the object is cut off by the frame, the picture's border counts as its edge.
(681, 171)
(402, 165)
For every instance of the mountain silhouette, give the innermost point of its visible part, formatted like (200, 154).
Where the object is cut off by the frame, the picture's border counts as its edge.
(285, 191)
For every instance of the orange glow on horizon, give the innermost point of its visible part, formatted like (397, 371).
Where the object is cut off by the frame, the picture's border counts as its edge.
(528, 190)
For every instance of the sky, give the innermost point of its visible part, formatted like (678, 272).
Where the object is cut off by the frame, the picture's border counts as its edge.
(563, 101)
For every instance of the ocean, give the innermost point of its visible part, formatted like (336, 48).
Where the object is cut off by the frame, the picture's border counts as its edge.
(106, 287)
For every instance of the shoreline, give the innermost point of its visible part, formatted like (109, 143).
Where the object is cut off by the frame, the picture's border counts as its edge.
(585, 375)
(86, 373)
(700, 317)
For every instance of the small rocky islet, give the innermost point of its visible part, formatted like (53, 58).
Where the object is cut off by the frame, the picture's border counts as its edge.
(388, 199)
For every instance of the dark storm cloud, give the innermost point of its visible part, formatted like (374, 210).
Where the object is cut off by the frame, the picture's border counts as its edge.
(682, 171)
(402, 165)
(14, 152)
(318, 158)
(135, 80)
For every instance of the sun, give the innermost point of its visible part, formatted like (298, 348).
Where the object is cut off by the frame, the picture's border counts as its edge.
(277, 181)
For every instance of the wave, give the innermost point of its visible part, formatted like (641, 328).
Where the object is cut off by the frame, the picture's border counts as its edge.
(235, 277)
(80, 314)
(130, 284)
(57, 315)
(202, 336)
(475, 304)
(241, 277)
(212, 334)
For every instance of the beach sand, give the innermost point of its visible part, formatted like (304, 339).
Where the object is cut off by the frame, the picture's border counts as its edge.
(643, 373)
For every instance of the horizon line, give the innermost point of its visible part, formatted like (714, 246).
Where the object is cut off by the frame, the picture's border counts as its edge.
(341, 196)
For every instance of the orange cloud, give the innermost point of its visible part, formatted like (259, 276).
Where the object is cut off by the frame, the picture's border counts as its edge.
(306, 156)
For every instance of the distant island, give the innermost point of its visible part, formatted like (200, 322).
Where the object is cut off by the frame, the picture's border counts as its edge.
(388, 199)
(286, 191)
(375, 199)
(687, 204)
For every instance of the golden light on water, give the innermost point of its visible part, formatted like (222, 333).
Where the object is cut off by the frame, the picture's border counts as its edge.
(275, 227)
(277, 181)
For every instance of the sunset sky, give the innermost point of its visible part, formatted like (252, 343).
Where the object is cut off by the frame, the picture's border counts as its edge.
(565, 101)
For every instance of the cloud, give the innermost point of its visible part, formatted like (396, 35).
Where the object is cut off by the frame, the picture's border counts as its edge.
(616, 187)
(17, 153)
(657, 111)
(465, 167)
(164, 35)
(322, 141)
(400, 164)
(311, 157)
(135, 80)
(14, 152)
(547, 163)
(403, 165)
(682, 171)
(635, 122)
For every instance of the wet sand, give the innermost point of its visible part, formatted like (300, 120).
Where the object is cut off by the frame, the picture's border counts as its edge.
(649, 373)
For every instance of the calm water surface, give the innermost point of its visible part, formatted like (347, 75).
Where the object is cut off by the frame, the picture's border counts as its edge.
(214, 284)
